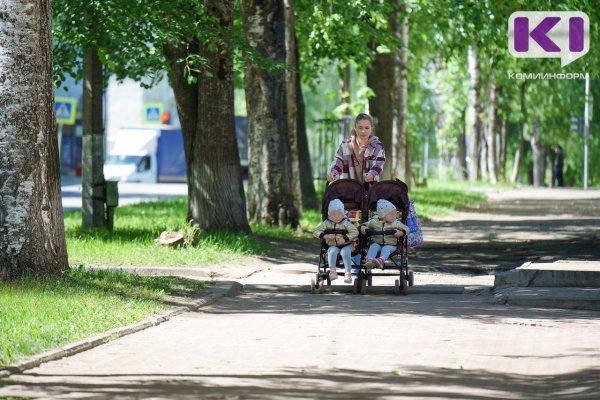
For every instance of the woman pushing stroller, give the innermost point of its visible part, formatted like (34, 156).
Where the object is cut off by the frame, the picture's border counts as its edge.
(385, 229)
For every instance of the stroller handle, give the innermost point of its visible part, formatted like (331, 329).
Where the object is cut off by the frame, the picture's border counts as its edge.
(373, 232)
(335, 232)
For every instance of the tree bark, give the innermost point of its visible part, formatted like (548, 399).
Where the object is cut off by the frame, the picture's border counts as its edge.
(519, 152)
(32, 237)
(292, 99)
(462, 147)
(216, 193)
(492, 141)
(474, 115)
(309, 195)
(186, 101)
(93, 213)
(380, 78)
(538, 153)
(270, 192)
(503, 139)
(401, 150)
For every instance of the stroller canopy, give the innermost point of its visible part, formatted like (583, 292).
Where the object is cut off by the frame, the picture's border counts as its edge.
(349, 191)
(394, 191)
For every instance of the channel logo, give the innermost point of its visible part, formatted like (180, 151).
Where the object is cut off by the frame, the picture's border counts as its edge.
(549, 34)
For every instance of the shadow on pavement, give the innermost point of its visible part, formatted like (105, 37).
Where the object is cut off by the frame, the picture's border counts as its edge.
(441, 383)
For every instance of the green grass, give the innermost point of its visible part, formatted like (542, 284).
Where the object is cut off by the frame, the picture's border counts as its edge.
(137, 226)
(131, 242)
(440, 202)
(37, 314)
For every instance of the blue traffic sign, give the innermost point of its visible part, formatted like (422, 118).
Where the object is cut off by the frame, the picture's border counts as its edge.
(152, 113)
(66, 110)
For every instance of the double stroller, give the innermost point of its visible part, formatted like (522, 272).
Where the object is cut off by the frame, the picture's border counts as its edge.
(359, 207)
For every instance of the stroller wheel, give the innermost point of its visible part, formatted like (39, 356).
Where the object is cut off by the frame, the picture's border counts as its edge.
(370, 279)
(322, 287)
(313, 286)
(328, 280)
(355, 286)
(397, 287)
(363, 286)
(411, 278)
(403, 285)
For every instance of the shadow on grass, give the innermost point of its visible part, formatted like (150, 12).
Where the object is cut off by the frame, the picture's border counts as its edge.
(312, 383)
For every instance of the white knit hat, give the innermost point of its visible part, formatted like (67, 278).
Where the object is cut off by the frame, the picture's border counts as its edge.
(335, 205)
(384, 207)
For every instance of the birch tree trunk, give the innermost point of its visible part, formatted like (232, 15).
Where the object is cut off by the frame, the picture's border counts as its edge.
(270, 189)
(32, 236)
(502, 151)
(519, 152)
(461, 152)
(216, 193)
(474, 115)
(538, 153)
(401, 150)
(492, 140)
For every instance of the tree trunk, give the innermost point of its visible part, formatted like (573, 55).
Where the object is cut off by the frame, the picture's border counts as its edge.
(492, 141)
(186, 100)
(502, 151)
(270, 192)
(462, 147)
(345, 89)
(32, 237)
(216, 200)
(538, 153)
(401, 150)
(380, 78)
(474, 115)
(309, 195)
(292, 99)
(519, 153)
(93, 212)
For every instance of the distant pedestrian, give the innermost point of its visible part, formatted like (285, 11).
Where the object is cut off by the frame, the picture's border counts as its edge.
(558, 166)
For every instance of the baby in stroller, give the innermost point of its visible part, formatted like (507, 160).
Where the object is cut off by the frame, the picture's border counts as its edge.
(338, 233)
(385, 230)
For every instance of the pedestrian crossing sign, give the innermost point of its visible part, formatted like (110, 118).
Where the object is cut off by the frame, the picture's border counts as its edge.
(66, 110)
(152, 113)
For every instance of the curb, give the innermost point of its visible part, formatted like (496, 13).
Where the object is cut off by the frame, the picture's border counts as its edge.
(219, 290)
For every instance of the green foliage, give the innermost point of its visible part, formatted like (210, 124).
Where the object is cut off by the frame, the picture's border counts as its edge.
(40, 313)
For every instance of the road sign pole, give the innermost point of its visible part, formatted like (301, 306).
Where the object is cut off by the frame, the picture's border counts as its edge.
(586, 130)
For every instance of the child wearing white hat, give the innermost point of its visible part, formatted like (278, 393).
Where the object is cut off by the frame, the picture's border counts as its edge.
(340, 243)
(382, 244)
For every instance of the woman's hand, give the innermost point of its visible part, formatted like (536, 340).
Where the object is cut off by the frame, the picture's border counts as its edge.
(399, 233)
(331, 178)
(329, 236)
(363, 230)
(369, 177)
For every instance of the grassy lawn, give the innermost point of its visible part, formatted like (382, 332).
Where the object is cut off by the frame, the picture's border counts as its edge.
(37, 314)
(136, 226)
(132, 240)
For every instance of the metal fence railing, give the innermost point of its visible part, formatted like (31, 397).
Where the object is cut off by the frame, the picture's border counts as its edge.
(328, 135)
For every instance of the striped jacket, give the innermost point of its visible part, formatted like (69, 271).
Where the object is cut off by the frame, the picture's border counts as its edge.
(344, 164)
